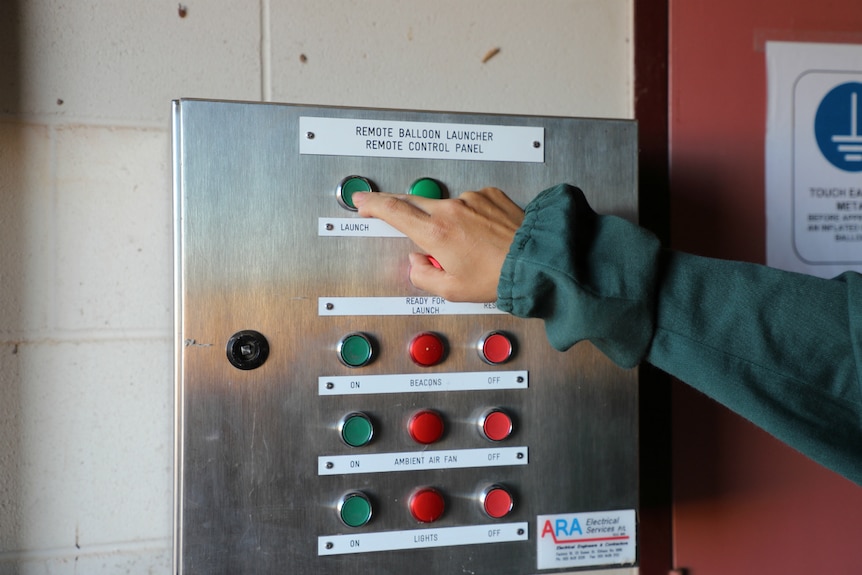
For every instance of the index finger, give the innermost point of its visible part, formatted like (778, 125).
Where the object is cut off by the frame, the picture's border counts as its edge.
(410, 215)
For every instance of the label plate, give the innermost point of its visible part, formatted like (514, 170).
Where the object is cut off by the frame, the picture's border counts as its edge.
(586, 539)
(406, 305)
(421, 460)
(426, 140)
(421, 538)
(422, 382)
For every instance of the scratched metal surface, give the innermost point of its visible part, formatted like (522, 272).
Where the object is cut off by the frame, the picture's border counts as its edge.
(248, 256)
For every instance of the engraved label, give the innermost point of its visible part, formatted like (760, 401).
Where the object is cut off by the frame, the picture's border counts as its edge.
(468, 148)
(426, 310)
(352, 227)
(356, 227)
(417, 134)
(407, 305)
(426, 382)
(428, 140)
(407, 461)
(420, 383)
(375, 131)
(413, 538)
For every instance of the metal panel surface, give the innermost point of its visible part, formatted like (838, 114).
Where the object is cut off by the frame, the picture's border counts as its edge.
(251, 443)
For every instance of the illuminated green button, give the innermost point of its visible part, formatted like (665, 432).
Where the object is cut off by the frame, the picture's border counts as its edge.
(355, 509)
(427, 188)
(355, 350)
(357, 430)
(349, 186)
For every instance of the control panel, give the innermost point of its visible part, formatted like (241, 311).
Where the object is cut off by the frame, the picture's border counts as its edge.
(331, 418)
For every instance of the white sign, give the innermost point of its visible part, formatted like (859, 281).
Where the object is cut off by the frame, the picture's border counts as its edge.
(401, 305)
(425, 140)
(586, 539)
(814, 157)
(421, 538)
(421, 460)
(422, 382)
(356, 227)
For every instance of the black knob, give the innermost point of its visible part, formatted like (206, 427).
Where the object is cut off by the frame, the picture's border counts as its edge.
(247, 349)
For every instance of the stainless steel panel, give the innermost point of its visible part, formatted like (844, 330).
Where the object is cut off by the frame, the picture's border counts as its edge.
(249, 257)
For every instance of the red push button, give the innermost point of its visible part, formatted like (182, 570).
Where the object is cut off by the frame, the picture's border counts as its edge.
(497, 425)
(425, 426)
(496, 348)
(426, 505)
(427, 349)
(497, 501)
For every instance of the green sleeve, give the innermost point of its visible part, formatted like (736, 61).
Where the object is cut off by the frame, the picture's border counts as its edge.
(779, 348)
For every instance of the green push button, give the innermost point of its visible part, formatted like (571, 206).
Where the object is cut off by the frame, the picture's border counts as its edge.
(357, 430)
(355, 509)
(427, 188)
(355, 350)
(349, 186)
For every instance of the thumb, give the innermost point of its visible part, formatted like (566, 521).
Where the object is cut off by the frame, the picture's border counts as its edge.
(425, 275)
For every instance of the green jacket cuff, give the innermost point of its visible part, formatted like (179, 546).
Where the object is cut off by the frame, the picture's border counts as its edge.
(589, 277)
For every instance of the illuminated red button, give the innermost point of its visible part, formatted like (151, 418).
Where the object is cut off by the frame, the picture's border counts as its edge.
(496, 348)
(427, 349)
(426, 505)
(497, 502)
(425, 427)
(497, 425)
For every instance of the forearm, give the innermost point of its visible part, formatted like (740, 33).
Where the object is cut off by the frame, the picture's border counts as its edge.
(778, 348)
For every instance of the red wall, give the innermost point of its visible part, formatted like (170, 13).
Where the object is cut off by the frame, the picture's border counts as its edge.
(743, 503)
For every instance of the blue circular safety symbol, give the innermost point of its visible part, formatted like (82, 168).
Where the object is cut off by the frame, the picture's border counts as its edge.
(838, 126)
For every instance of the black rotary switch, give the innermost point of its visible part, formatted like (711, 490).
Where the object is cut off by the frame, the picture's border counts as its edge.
(247, 349)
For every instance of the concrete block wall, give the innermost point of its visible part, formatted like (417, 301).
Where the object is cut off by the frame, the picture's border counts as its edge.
(86, 351)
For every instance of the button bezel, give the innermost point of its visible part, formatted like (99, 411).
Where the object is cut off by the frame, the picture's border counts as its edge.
(346, 202)
(426, 412)
(411, 189)
(428, 495)
(480, 347)
(350, 417)
(494, 488)
(444, 348)
(371, 349)
(345, 499)
(483, 419)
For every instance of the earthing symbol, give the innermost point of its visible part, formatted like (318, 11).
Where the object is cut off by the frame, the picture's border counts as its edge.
(837, 127)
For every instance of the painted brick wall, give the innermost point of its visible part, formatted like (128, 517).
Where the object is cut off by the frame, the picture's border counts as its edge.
(86, 390)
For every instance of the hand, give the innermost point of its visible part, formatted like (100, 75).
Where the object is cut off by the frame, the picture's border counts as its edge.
(469, 236)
